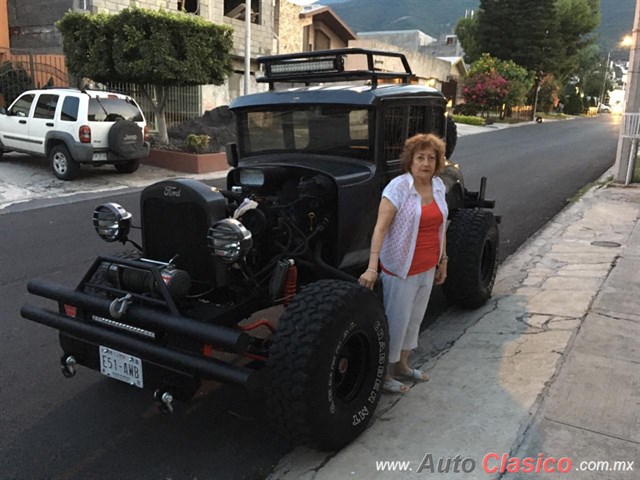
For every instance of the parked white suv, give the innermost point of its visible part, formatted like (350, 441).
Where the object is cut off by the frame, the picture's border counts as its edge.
(73, 127)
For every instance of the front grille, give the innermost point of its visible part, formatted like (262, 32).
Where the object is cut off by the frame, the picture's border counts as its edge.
(178, 229)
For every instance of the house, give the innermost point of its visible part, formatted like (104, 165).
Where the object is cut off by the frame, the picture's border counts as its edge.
(32, 28)
(303, 29)
(444, 73)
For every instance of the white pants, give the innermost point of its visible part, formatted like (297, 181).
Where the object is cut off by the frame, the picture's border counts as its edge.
(405, 303)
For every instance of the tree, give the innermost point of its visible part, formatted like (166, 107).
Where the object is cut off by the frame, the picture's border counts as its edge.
(485, 90)
(140, 46)
(467, 31)
(519, 80)
(576, 20)
(543, 36)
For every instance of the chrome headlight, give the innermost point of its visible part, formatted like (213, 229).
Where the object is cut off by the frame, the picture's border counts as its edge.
(112, 222)
(229, 240)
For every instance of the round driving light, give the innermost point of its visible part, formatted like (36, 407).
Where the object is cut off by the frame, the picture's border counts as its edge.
(229, 240)
(112, 222)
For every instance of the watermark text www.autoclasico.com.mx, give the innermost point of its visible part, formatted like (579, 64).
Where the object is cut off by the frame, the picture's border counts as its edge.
(503, 463)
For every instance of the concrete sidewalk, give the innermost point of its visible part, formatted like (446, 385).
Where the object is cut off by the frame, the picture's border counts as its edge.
(548, 368)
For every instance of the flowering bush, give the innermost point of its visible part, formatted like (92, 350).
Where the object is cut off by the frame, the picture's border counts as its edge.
(485, 90)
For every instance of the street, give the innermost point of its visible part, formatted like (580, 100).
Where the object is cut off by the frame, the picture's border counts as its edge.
(91, 427)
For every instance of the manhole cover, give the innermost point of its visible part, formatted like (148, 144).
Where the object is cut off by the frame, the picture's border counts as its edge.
(604, 243)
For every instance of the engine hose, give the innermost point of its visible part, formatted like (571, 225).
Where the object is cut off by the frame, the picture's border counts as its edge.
(334, 272)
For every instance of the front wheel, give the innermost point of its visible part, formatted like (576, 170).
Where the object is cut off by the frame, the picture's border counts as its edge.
(129, 166)
(327, 362)
(472, 247)
(63, 165)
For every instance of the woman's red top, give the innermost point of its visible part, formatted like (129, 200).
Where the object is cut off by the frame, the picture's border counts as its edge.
(427, 251)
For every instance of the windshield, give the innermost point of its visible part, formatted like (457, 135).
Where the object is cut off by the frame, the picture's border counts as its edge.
(320, 129)
(112, 109)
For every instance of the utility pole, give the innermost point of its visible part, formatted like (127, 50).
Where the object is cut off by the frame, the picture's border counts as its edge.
(604, 81)
(624, 162)
(247, 45)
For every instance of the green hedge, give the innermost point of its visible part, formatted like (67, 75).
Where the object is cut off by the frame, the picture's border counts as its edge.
(481, 122)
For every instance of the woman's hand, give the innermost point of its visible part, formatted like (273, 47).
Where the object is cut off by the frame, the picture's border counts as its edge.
(441, 273)
(368, 278)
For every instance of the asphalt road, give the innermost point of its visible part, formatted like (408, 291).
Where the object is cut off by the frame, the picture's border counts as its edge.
(89, 427)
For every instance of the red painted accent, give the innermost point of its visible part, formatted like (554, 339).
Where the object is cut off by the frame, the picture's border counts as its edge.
(290, 285)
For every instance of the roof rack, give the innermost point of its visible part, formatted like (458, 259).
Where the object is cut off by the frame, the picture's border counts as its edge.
(328, 66)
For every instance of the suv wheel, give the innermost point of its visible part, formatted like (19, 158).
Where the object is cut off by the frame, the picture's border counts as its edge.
(327, 360)
(128, 166)
(63, 165)
(472, 247)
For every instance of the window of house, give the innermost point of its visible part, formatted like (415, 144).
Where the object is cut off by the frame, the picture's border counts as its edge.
(22, 106)
(46, 106)
(189, 6)
(69, 111)
(321, 41)
(236, 8)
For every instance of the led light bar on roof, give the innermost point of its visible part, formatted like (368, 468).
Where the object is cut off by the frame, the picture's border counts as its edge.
(315, 65)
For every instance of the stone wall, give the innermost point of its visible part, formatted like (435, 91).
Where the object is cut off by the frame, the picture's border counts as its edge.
(291, 28)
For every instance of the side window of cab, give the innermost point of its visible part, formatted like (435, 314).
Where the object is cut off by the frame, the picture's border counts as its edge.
(22, 106)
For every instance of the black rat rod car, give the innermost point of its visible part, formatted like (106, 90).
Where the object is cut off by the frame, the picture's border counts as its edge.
(292, 229)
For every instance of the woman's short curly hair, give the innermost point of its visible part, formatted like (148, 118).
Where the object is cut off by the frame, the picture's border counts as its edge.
(420, 142)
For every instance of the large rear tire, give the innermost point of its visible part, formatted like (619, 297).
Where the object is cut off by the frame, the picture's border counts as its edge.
(472, 247)
(327, 360)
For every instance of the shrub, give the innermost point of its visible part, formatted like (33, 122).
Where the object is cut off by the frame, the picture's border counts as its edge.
(481, 122)
(198, 143)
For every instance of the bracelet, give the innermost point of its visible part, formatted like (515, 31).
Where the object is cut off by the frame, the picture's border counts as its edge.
(444, 258)
(372, 270)
(373, 253)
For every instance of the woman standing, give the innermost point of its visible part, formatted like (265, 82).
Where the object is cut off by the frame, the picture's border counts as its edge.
(409, 244)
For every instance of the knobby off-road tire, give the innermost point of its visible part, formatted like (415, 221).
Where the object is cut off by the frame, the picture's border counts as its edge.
(327, 363)
(127, 167)
(63, 165)
(472, 248)
(452, 137)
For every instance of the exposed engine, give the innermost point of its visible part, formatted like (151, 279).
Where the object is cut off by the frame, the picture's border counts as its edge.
(204, 243)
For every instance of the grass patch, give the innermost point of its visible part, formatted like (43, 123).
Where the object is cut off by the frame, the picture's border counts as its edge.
(469, 120)
(580, 193)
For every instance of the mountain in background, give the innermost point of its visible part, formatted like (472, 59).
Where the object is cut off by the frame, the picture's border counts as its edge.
(437, 17)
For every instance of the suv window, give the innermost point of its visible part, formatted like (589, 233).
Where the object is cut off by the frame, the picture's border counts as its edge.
(22, 106)
(46, 106)
(323, 129)
(69, 111)
(112, 109)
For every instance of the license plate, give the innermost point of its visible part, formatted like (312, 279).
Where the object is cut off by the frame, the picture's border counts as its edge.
(97, 157)
(121, 366)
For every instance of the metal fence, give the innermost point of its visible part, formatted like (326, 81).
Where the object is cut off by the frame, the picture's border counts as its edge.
(22, 70)
(183, 103)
